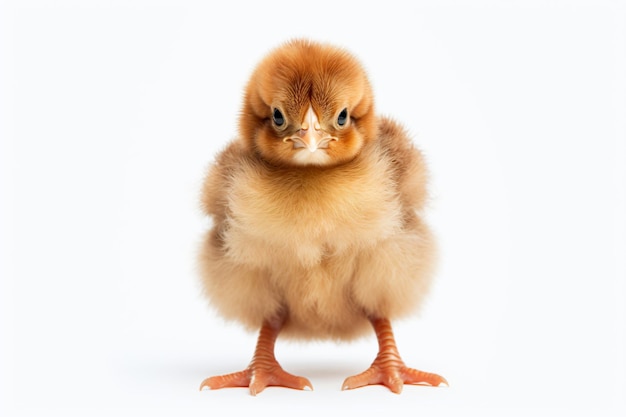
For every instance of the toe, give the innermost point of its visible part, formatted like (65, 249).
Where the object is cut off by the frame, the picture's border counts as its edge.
(287, 380)
(415, 377)
(236, 379)
(369, 377)
(257, 385)
(395, 385)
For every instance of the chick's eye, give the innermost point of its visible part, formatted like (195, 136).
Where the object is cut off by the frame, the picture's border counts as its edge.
(343, 117)
(278, 117)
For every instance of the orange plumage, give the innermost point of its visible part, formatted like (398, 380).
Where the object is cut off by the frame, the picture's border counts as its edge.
(316, 209)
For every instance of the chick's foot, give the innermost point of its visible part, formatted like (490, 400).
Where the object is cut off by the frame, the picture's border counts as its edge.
(388, 368)
(257, 377)
(263, 371)
(393, 376)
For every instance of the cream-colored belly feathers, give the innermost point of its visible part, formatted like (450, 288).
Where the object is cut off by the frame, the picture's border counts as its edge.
(329, 247)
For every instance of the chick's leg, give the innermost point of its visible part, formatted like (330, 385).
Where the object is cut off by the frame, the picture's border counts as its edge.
(263, 370)
(388, 368)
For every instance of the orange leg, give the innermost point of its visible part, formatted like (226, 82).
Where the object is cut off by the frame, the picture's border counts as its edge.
(388, 368)
(263, 371)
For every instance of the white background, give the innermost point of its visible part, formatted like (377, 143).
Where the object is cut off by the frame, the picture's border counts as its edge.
(111, 112)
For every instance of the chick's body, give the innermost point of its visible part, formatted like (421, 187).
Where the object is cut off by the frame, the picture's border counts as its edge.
(316, 212)
(332, 247)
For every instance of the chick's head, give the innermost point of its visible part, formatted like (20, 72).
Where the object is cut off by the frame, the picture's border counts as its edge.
(308, 104)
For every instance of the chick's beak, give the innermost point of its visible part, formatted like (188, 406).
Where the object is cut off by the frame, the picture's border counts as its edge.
(310, 136)
(310, 131)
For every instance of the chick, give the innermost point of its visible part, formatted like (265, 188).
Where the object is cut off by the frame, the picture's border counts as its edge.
(316, 208)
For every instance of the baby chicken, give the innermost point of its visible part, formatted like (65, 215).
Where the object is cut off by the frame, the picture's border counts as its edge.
(316, 229)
